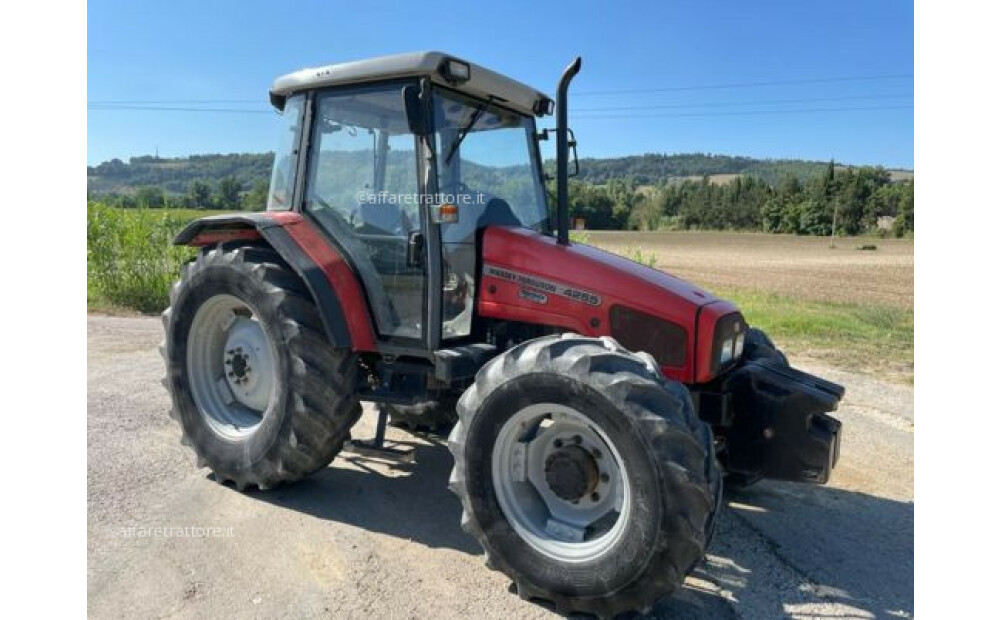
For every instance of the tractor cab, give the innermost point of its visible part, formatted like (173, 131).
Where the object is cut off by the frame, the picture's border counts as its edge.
(402, 161)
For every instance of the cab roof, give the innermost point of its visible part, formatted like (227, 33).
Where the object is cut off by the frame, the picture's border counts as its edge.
(481, 81)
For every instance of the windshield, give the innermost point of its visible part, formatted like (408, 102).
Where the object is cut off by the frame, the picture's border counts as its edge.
(487, 166)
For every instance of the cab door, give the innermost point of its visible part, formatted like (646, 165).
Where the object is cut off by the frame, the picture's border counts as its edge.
(362, 188)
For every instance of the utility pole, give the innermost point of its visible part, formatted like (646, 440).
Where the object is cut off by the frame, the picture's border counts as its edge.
(833, 230)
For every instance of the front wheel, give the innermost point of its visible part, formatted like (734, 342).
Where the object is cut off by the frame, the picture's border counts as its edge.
(259, 393)
(584, 474)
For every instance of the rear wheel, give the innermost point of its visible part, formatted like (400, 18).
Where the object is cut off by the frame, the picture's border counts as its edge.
(260, 395)
(584, 474)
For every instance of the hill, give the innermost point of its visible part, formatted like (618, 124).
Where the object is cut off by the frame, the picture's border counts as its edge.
(175, 175)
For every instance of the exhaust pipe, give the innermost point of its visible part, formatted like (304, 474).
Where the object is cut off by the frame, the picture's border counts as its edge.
(562, 153)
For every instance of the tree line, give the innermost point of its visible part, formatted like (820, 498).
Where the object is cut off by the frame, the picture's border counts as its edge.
(855, 197)
(228, 193)
(645, 192)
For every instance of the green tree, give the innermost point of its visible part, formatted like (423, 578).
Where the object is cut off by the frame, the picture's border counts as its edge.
(904, 218)
(227, 194)
(199, 195)
(149, 196)
(646, 213)
(256, 198)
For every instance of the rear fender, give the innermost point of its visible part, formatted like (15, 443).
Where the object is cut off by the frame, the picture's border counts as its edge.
(334, 286)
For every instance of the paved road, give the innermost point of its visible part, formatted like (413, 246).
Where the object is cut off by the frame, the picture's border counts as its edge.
(365, 540)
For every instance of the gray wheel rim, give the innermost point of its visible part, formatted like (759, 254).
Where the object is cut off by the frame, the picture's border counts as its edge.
(230, 364)
(565, 530)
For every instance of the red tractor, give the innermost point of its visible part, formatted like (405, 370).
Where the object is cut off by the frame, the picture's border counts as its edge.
(408, 257)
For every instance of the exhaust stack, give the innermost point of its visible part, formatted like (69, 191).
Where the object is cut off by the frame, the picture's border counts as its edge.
(562, 153)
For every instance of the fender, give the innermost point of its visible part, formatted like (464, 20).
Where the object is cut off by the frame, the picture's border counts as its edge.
(330, 279)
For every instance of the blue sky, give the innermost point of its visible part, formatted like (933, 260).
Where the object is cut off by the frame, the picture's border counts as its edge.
(766, 79)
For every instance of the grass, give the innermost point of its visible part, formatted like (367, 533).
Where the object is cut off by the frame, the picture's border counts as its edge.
(872, 338)
(131, 262)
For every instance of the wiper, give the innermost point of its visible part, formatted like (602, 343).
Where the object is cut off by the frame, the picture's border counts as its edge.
(476, 115)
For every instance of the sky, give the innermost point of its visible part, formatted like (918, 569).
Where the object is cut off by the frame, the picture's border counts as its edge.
(771, 79)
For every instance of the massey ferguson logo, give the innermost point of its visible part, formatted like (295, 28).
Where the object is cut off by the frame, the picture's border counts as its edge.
(542, 286)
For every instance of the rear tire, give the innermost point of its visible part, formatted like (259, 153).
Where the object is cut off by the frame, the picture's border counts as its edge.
(307, 405)
(670, 483)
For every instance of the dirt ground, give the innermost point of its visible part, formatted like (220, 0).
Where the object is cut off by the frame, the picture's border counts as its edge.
(364, 539)
(804, 267)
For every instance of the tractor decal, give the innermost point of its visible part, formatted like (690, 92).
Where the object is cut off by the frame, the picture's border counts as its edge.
(533, 295)
(548, 286)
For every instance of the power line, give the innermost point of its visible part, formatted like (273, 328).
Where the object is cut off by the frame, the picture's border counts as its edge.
(862, 78)
(826, 80)
(726, 104)
(748, 113)
(172, 101)
(151, 108)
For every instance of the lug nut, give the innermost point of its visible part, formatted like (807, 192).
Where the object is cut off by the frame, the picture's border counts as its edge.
(596, 453)
(577, 439)
(557, 443)
(605, 477)
(595, 496)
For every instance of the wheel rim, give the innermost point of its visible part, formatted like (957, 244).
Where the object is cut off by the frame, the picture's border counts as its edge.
(560, 483)
(230, 364)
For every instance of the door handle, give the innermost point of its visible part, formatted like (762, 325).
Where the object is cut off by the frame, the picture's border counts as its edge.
(415, 249)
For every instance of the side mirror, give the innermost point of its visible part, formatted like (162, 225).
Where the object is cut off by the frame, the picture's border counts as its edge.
(414, 106)
(572, 145)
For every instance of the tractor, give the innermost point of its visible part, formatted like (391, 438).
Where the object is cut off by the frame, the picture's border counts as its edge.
(409, 257)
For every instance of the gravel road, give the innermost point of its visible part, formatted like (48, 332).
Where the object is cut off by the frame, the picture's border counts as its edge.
(366, 540)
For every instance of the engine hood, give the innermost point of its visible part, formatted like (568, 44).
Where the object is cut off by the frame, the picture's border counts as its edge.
(527, 276)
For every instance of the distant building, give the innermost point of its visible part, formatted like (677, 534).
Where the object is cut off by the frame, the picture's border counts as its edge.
(885, 222)
(579, 223)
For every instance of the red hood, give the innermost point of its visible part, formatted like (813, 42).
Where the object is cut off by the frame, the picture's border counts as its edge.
(607, 274)
(528, 277)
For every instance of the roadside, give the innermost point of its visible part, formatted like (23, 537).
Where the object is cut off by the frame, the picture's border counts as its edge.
(364, 539)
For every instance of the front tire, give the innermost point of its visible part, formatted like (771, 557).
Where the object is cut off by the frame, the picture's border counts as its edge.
(260, 395)
(584, 474)
(759, 346)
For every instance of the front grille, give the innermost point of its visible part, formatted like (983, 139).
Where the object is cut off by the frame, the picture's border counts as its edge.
(638, 331)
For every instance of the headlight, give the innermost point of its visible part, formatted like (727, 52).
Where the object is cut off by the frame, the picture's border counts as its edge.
(730, 334)
(726, 351)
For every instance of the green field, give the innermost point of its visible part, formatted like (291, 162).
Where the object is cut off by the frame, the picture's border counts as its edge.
(844, 306)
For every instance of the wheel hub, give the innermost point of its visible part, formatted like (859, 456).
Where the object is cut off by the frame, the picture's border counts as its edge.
(560, 483)
(571, 473)
(248, 363)
(239, 365)
(231, 366)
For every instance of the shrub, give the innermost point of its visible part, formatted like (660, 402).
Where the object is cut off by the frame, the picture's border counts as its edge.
(130, 259)
(637, 255)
